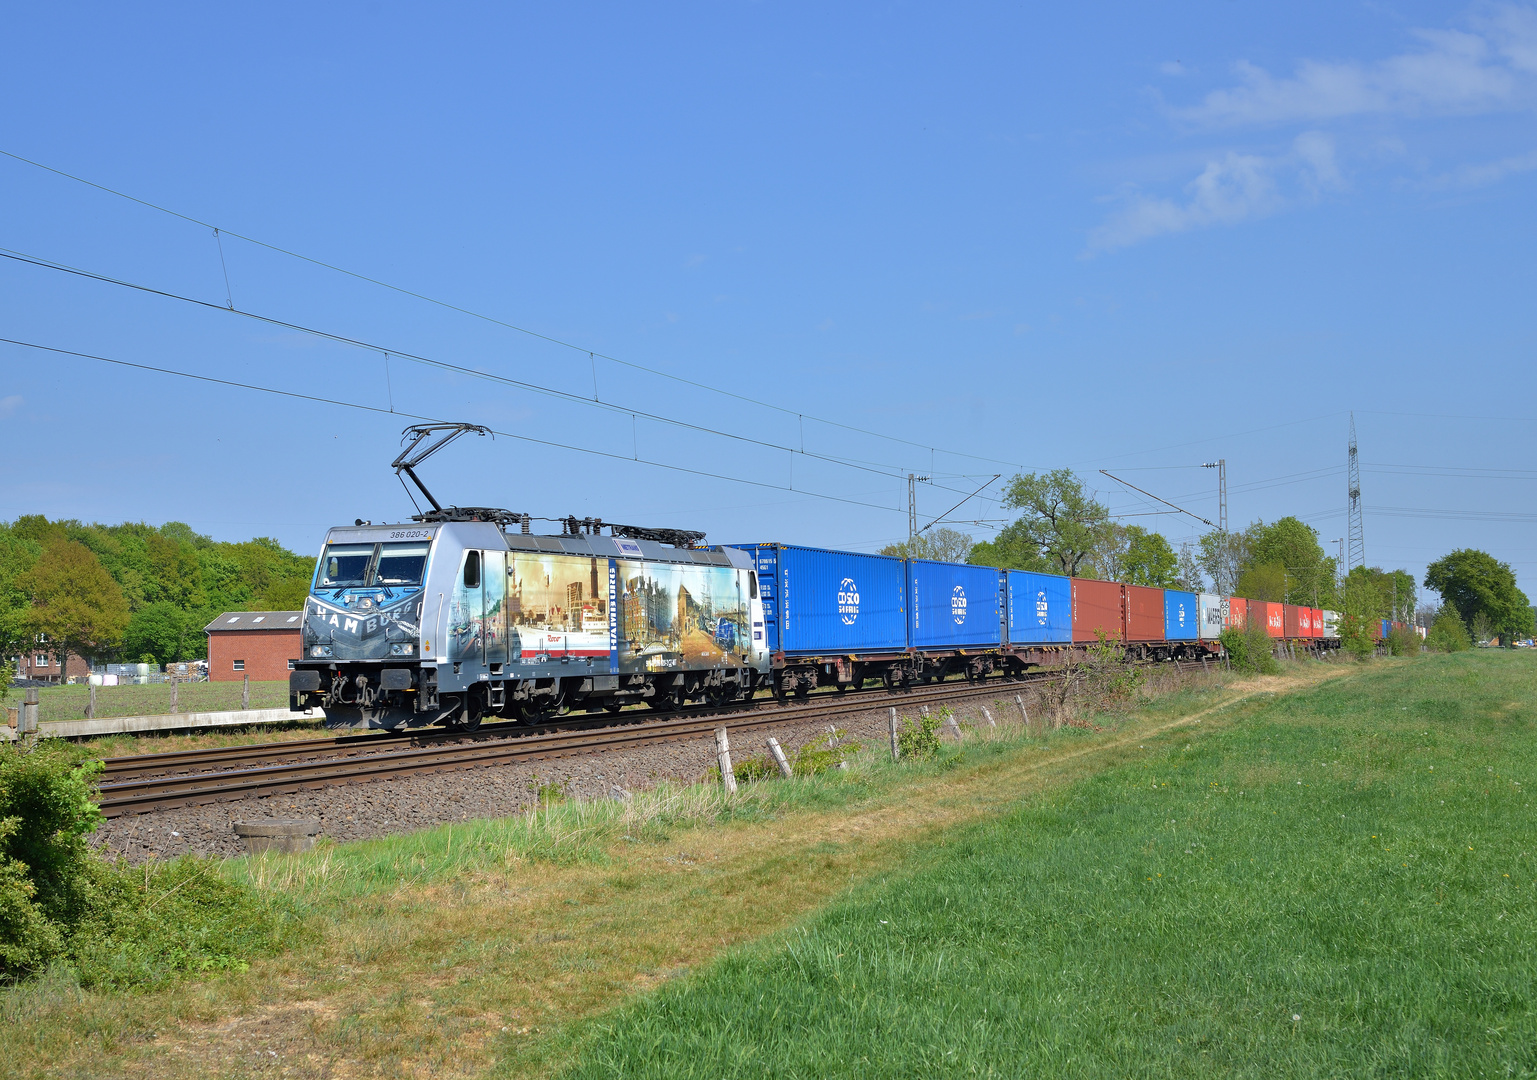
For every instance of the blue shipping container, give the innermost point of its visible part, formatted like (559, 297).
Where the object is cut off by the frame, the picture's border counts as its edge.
(954, 605)
(818, 602)
(1040, 608)
(1181, 615)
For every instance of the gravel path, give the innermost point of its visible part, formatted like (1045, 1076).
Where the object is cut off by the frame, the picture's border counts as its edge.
(407, 803)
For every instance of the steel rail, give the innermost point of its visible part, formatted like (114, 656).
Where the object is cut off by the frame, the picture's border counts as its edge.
(145, 795)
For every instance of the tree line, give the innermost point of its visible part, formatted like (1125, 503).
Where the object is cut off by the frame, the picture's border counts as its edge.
(133, 592)
(1063, 529)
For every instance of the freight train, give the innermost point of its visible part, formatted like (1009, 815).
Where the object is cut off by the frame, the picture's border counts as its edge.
(464, 613)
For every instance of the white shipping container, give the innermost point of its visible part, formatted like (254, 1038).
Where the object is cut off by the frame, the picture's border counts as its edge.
(1212, 617)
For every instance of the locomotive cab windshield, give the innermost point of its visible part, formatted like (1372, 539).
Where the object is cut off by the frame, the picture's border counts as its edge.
(354, 566)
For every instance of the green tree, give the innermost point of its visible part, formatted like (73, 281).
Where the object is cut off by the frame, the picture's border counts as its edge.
(73, 603)
(1293, 546)
(1479, 586)
(1011, 550)
(1392, 592)
(1061, 526)
(1188, 575)
(168, 564)
(1136, 556)
(1361, 610)
(18, 554)
(939, 545)
(161, 630)
(1266, 581)
(1223, 558)
(1447, 633)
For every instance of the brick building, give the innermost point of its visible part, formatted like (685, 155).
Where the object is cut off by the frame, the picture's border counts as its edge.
(259, 644)
(39, 664)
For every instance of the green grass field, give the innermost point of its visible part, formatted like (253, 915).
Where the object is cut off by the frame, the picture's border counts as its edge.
(1335, 882)
(69, 702)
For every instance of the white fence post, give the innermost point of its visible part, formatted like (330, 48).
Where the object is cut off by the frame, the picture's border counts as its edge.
(723, 757)
(779, 758)
(895, 753)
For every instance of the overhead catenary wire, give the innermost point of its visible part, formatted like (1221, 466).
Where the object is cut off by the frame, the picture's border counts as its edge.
(578, 399)
(501, 322)
(320, 399)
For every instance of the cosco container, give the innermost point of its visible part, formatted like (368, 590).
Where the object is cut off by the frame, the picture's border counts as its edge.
(1291, 621)
(1040, 608)
(1098, 610)
(954, 605)
(1144, 613)
(817, 602)
(1181, 615)
(1213, 616)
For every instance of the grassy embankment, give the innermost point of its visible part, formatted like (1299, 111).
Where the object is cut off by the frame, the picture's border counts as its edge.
(1338, 882)
(1039, 908)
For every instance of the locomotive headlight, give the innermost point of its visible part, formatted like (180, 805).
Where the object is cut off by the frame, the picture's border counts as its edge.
(320, 650)
(405, 648)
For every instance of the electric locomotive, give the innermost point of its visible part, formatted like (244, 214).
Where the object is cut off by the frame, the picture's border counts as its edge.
(463, 613)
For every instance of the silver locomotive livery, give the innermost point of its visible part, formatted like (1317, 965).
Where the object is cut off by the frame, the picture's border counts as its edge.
(463, 614)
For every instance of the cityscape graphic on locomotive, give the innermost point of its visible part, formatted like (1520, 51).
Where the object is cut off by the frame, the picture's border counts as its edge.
(455, 617)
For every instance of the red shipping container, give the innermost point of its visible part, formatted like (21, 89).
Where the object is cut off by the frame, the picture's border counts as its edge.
(1317, 615)
(1275, 618)
(1237, 612)
(1291, 621)
(1144, 613)
(1097, 607)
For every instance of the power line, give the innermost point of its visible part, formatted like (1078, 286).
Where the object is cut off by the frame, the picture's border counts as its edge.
(1450, 471)
(578, 399)
(433, 419)
(499, 322)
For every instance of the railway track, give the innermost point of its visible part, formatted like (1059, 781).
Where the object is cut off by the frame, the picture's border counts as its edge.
(146, 783)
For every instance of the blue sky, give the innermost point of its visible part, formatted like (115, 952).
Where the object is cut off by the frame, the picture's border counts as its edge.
(955, 240)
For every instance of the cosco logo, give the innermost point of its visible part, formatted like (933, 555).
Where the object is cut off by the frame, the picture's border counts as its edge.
(848, 601)
(958, 605)
(1040, 607)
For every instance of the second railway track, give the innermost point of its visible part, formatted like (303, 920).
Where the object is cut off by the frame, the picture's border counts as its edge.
(150, 782)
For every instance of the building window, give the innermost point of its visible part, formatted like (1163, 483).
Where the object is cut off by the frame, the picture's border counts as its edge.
(239, 665)
(40, 661)
(290, 665)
